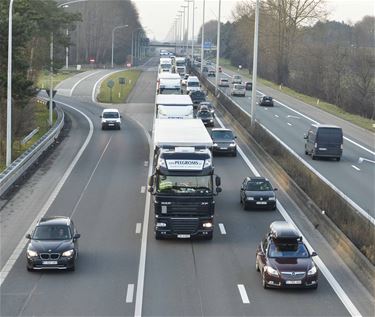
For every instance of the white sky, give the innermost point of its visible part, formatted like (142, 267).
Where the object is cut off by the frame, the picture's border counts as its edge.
(158, 15)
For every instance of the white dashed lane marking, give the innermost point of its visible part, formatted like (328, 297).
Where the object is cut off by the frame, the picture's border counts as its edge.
(245, 298)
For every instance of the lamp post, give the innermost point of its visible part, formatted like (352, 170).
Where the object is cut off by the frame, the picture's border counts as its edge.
(217, 49)
(132, 60)
(113, 38)
(187, 25)
(202, 37)
(255, 64)
(192, 33)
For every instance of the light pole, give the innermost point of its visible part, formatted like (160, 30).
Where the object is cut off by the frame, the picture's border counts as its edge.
(184, 31)
(192, 33)
(202, 36)
(217, 49)
(9, 88)
(187, 25)
(255, 65)
(113, 38)
(132, 60)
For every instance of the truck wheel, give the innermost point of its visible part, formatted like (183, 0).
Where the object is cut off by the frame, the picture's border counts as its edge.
(158, 236)
(209, 236)
(234, 154)
(338, 159)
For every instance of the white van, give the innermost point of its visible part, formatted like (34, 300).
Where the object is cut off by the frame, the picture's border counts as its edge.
(192, 84)
(165, 65)
(110, 119)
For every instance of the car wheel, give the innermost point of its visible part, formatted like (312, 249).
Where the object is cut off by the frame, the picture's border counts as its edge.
(29, 269)
(158, 236)
(306, 152)
(264, 282)
(315, 286)
(72, 269)
(234, 154)
(244, 206)
(256, 264)
(338, 159)
(313, 156)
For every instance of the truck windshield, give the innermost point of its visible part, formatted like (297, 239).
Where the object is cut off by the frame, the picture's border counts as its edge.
(193, 185)
(170, 91)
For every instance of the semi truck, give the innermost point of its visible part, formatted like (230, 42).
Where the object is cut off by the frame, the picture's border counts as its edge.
(174, 107)
(183, 182)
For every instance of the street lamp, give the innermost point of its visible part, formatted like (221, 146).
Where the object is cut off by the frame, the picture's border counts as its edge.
(183, 35)
(255, 64)
(202, 36)
(132, 60)
(113, 37)
(187, 26)
(217, 49)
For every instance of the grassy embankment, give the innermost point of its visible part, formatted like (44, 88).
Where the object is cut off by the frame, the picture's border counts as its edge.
(362, 122)
(119, 92)
(41, 114)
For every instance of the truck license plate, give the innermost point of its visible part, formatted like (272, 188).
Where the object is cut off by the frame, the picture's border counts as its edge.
(223, 148)
(261, 203)
(293, 282)
(49, 262)
(183, 236)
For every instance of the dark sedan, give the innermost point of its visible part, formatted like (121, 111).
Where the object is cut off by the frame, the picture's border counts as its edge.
(206, 117)
(208, 105)
(284, 260)
(266, 101)
(53, 244)
(248, 85)
(223, 141)
(257, 193)
(197, 97)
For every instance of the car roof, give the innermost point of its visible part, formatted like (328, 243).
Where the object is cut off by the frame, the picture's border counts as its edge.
(110, 110)
(256, 178)
(317, 125)
(57, 220)
(221, 129)
(283, 230)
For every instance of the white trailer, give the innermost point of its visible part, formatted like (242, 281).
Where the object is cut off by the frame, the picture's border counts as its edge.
(174, 107)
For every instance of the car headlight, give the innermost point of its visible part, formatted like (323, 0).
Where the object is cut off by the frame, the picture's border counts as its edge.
(31, 253)
(312, 271)
(207, 225)
(270, 270)
(162, 163)
(272, 198)
(215, 144)
(68, 253)
(232, 144)
(249, 198)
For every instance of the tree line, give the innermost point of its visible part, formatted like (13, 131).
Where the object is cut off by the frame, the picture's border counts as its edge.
(89, 26)
(299, 48)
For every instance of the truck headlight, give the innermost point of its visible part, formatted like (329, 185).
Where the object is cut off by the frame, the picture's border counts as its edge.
(312, 271)
(215, 144)
(272, 198)
(207, 225)
(160, 224)
(249, 198)
(207, 163)
(31, 253)
(270, 270)
(162, 163)
(232, 144)
(68, 253)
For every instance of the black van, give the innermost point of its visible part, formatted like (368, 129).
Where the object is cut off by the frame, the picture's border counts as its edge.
(324, 141)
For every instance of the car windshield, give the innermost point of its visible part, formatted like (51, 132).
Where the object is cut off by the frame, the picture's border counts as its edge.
(184, 184)
(288, 250)
(267, 98)
(239, 87)
(224, 80)
(332, 134)
(51, 232)
(237, 77)
(204, 114)
(110, 115)
(259, 186)
(193, 84)
(226, 135)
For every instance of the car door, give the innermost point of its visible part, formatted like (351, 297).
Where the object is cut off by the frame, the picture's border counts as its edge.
(262, 259)
(310, 140)
(243, 190)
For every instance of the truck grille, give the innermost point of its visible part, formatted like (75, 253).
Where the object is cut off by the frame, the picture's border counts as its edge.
(187, 207)
(184, 225)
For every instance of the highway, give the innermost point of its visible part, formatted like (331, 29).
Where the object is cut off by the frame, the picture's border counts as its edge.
(290, 119)
(122, 270)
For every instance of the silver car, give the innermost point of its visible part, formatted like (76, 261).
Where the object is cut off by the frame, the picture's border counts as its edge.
(238, 90)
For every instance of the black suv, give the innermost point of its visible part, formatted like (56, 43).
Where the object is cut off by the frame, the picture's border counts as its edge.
(207, 105)
(53, 244)
(284, 260)
(266, 101)
(257, 193)
(223, 141)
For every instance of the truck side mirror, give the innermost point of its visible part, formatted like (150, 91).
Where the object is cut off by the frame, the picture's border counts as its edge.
(28, 236)
(219, 190)
(150, 189)
(314, 253)
(305, 136)
(151, 181)
(217, 181)
(275, 189)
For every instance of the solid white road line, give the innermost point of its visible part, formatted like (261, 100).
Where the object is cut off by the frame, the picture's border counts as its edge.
(362, 159)
(79, 81)
(356, 168)
(130, 293)
(222, 228)
(245, 298)
(322, 267)
(21, 245)
(276, 115)
(143, 189)
(289, 124)
(145, 164)
(138, 228)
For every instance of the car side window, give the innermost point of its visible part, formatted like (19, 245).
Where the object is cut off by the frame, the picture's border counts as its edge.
(72, 228)
(265, 245)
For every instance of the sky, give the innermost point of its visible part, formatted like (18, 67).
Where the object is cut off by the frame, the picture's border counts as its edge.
(158, 15)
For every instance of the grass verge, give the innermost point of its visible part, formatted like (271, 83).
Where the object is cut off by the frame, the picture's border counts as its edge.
(41, 120)
(119, 92)
(362, 122)
(43, 79)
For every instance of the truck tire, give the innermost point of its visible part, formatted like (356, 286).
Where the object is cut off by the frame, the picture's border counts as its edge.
(158, 236)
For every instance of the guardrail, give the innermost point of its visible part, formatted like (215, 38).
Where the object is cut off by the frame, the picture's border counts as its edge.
(19, 166)
(344, 215)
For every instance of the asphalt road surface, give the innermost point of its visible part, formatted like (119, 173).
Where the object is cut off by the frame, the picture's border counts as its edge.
(105, 195)
(290, 119)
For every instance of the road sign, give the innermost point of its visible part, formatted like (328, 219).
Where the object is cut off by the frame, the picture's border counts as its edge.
(207, 45)
(110, 83)
(122, 80)
(53, 92)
